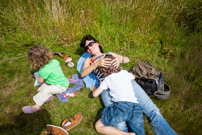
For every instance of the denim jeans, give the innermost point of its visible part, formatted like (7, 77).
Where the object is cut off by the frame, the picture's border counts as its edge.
(158, 124)
(128, 112)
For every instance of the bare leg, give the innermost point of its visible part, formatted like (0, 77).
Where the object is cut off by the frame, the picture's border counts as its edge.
(109, 130)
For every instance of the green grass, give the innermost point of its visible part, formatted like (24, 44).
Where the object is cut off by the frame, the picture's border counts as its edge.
(167, 34)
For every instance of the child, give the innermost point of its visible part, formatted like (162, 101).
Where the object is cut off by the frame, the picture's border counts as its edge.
(50, 75)
(125, 108)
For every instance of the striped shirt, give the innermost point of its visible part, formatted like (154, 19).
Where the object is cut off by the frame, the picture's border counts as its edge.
(99, 75)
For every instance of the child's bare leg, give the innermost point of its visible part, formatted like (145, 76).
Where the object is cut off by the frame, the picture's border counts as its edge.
(35, 107)
(109, 130)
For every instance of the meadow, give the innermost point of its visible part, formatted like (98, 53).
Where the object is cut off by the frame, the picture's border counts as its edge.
(165, 33)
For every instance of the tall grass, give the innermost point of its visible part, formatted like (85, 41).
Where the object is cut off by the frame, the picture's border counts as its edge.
(165, 33)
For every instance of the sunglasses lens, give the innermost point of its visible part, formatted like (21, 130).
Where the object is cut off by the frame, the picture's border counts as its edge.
(89, 45)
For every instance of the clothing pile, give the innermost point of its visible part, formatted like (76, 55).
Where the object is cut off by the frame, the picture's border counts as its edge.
(78, 81)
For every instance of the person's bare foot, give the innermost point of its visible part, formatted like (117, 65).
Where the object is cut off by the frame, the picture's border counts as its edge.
(35, 107)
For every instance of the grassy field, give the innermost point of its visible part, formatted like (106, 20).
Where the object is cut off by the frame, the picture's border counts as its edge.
(167, 34)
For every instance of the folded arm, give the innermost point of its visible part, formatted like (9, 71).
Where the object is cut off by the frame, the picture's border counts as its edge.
(88, 68)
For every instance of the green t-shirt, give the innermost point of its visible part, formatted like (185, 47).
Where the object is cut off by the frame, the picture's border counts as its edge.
(52, 74)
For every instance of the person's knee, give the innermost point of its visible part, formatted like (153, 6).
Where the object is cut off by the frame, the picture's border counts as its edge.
(98, 126)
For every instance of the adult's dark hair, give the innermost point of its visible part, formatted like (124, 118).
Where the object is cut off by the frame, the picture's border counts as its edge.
(89, 37)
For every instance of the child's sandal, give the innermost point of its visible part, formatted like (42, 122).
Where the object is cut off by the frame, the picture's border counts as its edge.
(28, 109)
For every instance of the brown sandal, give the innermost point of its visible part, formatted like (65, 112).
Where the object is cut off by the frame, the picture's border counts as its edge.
(55, 130)
(71, 122)
(68, 60)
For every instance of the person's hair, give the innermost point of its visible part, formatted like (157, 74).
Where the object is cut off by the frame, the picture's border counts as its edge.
(111, 69)
(38, 56)
(89, 37)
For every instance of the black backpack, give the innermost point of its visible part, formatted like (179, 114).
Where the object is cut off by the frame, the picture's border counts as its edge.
(156, 87)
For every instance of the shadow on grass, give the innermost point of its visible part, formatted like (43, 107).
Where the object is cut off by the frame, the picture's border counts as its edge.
(80, 51)
(27, 124)
(99, 112)
(98, 116)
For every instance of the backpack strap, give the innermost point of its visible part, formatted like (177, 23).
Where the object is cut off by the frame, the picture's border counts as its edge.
(162, 93)
(163, 90)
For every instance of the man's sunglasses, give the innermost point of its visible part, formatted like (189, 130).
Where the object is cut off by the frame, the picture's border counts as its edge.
(89, 45)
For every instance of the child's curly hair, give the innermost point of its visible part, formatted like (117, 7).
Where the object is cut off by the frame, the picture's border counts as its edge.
(111, 69)
(38, 56)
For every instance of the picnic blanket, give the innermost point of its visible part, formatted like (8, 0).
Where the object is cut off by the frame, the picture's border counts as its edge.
(76, 79)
